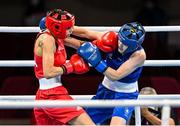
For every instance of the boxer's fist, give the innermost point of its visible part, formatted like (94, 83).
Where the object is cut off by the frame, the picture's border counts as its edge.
(42, 25)
(76, 65)
(91, 54)
(108, 42)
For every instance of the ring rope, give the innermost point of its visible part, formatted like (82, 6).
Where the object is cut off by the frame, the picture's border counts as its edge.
(88, 97)
(20, 102)
(8, 29)
(12, 104)
(31, 63)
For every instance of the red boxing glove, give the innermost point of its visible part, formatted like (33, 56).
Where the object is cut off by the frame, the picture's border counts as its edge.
(108, 42)
(76, 65)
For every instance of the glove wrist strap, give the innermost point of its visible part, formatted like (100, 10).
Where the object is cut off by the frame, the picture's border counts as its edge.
(67, 68)
(101, 67)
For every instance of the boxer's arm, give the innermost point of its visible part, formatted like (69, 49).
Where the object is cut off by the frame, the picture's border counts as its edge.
(135, 61)
(106, 41)
(72, 42)
(48, 49)
(87, 33)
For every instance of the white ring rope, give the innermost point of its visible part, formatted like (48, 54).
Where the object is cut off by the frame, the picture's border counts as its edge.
(11, 104)
(22, 102)
(30, 63)
(88, 97)
(8, 29)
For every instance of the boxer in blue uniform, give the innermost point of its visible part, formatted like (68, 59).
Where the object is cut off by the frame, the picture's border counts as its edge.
(122, 69)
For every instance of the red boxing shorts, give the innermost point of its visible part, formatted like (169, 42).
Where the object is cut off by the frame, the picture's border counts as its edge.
(55, 116)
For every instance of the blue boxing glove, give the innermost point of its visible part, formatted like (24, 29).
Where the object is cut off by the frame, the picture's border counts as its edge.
(42, 24)
(91, 54)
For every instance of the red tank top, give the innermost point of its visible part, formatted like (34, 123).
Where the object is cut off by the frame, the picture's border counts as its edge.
(60, 57)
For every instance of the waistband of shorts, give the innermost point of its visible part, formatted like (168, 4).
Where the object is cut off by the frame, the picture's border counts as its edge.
(120, 86)
(45, 83)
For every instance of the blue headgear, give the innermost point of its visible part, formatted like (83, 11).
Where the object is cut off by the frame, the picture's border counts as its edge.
(42, 25)
(132, 35)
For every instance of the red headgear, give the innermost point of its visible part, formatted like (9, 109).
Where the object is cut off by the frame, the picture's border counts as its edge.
(58, 22)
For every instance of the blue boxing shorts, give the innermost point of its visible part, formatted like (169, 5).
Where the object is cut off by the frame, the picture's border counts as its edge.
(102, 115)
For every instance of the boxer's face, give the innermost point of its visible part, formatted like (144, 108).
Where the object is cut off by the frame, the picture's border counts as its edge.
(69, 31)
(121, 47)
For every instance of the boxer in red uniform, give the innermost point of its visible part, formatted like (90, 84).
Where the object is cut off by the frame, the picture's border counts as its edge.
(50, 64)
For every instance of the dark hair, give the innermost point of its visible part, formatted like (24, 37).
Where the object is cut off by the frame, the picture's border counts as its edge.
(61, 13)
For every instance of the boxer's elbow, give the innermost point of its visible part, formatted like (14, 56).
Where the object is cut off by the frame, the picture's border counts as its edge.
(112, 75)
(48, 74)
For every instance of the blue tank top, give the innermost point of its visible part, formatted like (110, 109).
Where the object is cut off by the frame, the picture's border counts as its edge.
(116, 59)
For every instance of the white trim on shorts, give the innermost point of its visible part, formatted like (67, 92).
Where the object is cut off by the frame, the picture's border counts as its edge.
(120, 86)
(45, 83)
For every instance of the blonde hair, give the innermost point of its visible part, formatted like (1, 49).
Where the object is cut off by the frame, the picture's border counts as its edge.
(148, 91)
